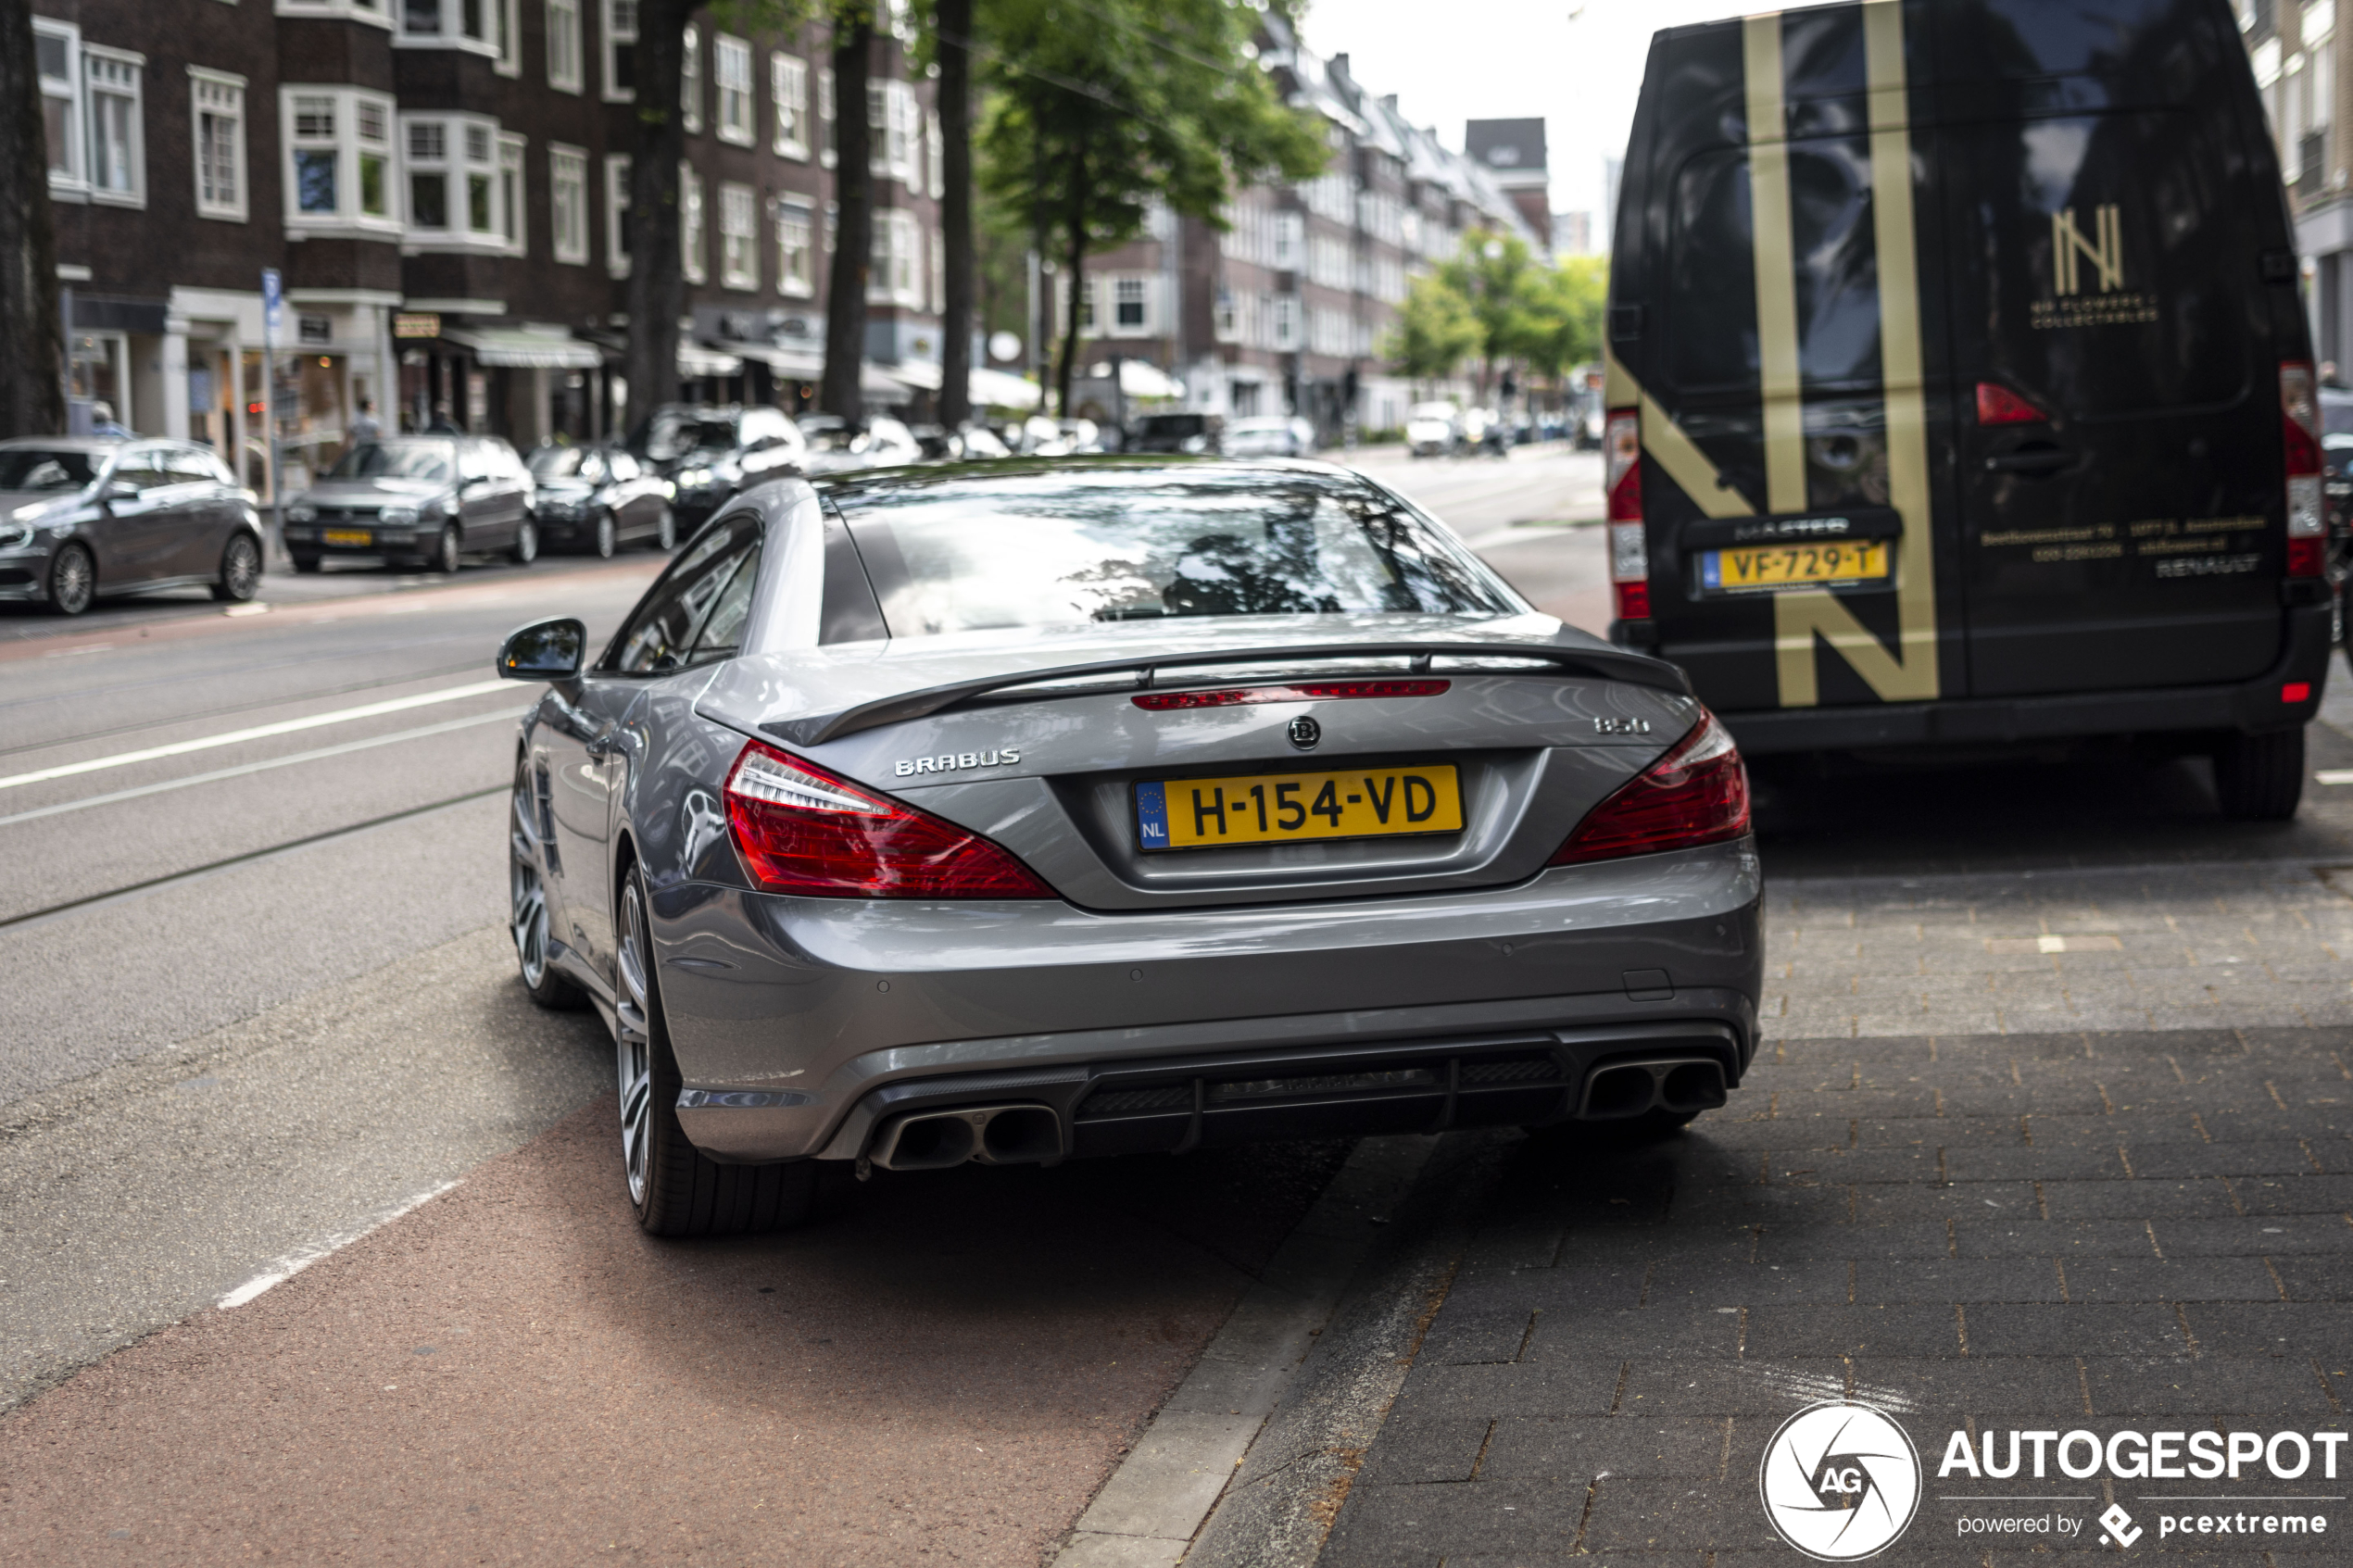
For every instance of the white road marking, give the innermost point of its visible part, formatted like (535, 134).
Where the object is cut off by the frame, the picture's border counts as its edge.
(280, 1270)
(2334, 775)
(259, 731)
(348, 746)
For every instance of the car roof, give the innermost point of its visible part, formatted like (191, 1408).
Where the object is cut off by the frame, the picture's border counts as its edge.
(94, 444)
(1008, 470)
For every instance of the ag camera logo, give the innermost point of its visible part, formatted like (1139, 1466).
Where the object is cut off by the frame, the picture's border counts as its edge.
(1839, 1480)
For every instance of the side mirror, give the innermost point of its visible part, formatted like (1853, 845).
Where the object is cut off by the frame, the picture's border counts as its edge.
(546, 651)
(119, 490)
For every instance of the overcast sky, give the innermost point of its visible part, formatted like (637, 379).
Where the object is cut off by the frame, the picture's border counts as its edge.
(1577, 65)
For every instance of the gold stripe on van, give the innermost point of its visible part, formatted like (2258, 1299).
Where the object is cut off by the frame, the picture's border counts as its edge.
(1669, 447)
(1800, 620)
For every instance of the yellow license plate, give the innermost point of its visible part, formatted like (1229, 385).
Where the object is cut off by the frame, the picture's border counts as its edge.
(1776, 566)
(349, 536)
(1277, 807)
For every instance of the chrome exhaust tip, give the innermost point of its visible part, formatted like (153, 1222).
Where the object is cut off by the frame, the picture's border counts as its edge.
(1620, 1090)
(993, 1134)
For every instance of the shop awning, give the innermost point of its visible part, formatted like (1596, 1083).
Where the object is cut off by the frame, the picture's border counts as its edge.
(531, 351)
(997, 389)
(919, 373)
(794, 364)
(694, 361)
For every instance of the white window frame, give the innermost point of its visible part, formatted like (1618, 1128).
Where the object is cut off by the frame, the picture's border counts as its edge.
(739, 237)
(938, 272)
(788, 96)
(471, 149)
(895, 275)
(935, 156)
(617, 214)
(690, 79)
(510, 39)
(691, 223)
(1127, 289)
(349, 147)
(1286, 323)
(616, 31)
(222, 96)
(374, 13)
(563, 46)
(895, 122)
(568, 204)
(513, 188)
(449, 28)
(126, 73)
(1290, 238)
(828, 155)
(71, 183)
(796, 221)
(735, 113)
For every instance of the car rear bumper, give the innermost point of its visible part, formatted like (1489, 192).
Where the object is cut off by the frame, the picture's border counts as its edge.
(2247, 707)
(386, 544)
(802, 1024)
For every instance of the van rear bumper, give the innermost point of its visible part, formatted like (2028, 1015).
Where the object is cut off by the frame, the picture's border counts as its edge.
(2247, 707)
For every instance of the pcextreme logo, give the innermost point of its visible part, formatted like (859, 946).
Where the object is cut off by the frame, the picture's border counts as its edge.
(1839, 1480)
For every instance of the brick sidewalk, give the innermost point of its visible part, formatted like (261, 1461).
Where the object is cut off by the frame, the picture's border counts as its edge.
(2072, 1208)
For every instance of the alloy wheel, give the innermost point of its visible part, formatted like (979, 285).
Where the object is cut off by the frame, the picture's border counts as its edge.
(526, 542)
(666, 534)
(606, 537)
(444, 552)
(73, 581)
(240, 570)
(633, 1043)
(528, 907)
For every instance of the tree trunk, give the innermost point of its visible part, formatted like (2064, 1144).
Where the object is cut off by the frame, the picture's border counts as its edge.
(657, 292)
(32, 399)
(1075, 217)
(955, 26)
(841, 392)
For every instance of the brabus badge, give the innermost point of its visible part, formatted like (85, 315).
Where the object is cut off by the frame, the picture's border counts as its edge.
(1305, 733)
(956, 762)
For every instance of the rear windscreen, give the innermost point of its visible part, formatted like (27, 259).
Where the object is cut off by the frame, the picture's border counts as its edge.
(1093, 544)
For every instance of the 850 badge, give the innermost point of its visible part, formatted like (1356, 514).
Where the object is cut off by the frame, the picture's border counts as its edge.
(1839, 1480)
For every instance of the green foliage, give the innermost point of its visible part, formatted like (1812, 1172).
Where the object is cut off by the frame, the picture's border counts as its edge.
(1495, 303)
(1435, 331)
(1572, 297)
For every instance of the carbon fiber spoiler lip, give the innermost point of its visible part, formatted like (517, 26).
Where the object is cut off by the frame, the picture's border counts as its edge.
(1608, 664)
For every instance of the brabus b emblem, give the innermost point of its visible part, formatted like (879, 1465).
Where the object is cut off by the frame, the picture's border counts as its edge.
(1305, 733)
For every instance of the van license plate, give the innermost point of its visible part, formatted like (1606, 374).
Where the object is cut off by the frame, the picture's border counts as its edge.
(359, 536)
(1779, 566)
(1273, 809)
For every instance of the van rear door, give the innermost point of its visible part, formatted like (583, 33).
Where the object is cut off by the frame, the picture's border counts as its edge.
(2118, 235)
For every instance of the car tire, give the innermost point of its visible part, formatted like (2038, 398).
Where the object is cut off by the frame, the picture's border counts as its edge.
(526, 546)
(666, 532)
(675, 1189)
(2261, 778)
(446, 551)
(240, 570)
(306, 564)
(73, 579)
(527, 903)
(607, 538)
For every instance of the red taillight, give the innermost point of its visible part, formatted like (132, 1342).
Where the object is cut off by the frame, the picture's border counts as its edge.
(1630, 551)
(801, 830)
(1696, 793)
(2300, 442)
(1308, 691)
(1633, 600)
(2307, 558)
(2297, 691)
(1997, 405)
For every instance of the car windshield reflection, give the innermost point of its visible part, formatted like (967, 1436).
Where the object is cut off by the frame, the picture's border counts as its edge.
(430, 461)
(33, 469)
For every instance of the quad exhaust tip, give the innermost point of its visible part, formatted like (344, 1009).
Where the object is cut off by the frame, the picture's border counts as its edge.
(993, 1134)
(1625, 1089)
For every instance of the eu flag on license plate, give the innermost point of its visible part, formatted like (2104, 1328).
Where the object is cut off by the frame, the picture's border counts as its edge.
(1152, 815)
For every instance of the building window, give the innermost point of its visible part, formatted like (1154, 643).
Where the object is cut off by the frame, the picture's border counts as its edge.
(458, 179)
(937, 158)
(1286, 321)
(690, 81)
(339, 158)
(568, 202)
(896, 120)
(118, 151)
(510, 184)
(370, 11)
(788, 85)
(826, 153)
(621, 50)
(617, 214)
(1228, 316)
(690, 223)
(1290, 229)
(475, 25)
(898, 260)
(563, 46)
(1127, 304)
(217, 115)
(796, 264)
(738, 238)
(731, 69)
(57, 50)
(510, 14)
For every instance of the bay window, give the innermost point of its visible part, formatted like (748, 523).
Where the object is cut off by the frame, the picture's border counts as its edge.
(462, 175)
(338, 163)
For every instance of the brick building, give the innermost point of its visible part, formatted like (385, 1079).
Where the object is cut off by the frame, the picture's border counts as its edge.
(440, 183)
(1284, 312)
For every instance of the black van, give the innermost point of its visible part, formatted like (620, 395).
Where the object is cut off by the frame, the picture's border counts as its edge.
(1960, 388)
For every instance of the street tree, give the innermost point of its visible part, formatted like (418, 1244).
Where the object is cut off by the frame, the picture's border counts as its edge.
(951, 32)
(1497, 277)
(31, 341)
(1434, 332)
(841, 390)
(1569, 302)
(1100, 109)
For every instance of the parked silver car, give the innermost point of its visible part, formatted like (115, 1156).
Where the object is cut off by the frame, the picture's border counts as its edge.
(421, 500)
(1027, 810)
(85, 518)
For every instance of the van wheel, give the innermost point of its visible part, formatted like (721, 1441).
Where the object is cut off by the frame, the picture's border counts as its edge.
(2261, 778)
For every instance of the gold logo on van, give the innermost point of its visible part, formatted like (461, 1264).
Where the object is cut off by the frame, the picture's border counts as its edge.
(2087, 274)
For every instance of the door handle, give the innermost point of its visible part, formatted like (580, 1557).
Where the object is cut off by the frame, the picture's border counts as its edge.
(605, 743)
(2037, 461)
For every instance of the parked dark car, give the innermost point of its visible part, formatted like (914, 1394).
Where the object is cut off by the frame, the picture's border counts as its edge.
(82, 518)
(974, 440)
(836, 446)
(1177, 432)
(1270, 436)
(598, 499)
(416, 500)
(709, 452)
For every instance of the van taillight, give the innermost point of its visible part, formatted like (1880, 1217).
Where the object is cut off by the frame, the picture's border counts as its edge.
(2300, 440)
(1997, 405)
(1629, 555)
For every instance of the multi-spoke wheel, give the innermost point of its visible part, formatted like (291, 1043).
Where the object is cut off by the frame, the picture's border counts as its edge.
(240, 577)
(73, 581)
(526, 546)
(608, 536)
(675, 1190)
(666, 532)
(527, 908)
(446, 551)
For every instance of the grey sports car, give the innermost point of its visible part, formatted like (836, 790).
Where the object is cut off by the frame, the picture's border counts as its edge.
(1043, 808)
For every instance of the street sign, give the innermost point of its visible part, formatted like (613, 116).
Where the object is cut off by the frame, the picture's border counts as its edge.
(422, 323)
(272, 298)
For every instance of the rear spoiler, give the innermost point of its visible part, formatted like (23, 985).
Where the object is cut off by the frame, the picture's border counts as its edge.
(1258, 664)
